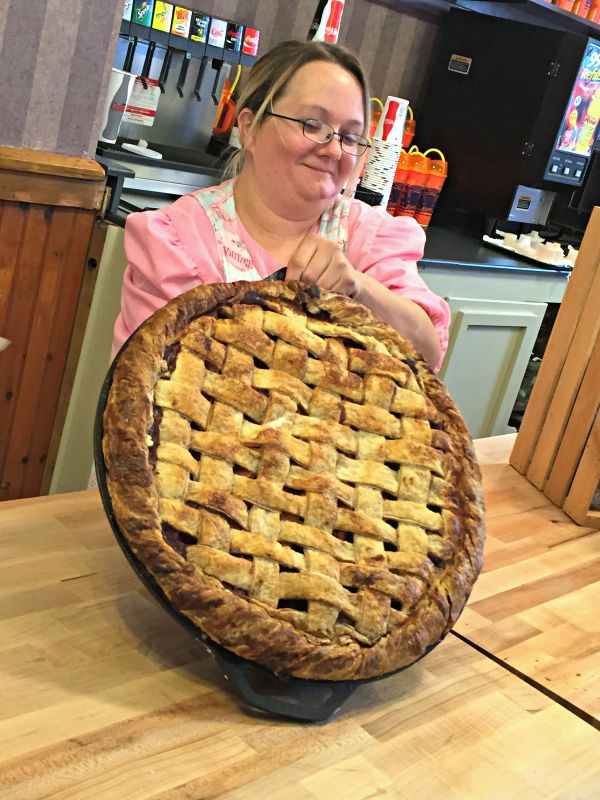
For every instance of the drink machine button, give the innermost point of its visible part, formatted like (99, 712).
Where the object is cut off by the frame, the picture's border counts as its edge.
(578, 173)
(554, 168)
(566, 171)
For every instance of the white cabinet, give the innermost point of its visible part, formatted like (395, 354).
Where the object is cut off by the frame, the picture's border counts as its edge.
(496, 317)
(488, 352)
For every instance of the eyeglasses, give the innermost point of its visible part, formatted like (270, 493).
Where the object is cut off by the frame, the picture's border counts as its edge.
(322, 133)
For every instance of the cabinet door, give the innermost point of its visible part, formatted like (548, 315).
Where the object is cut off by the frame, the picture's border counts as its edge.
(490, 345)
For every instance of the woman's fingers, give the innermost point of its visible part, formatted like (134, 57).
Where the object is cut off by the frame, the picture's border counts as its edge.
(301, 258)
(312, 261)
(318, 260)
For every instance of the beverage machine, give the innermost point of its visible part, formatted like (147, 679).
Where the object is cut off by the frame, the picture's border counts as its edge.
(169, 110)
(516, 109)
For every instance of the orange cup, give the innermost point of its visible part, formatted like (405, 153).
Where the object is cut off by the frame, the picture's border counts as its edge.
(399, 181)
(438, 171)
(416, 179)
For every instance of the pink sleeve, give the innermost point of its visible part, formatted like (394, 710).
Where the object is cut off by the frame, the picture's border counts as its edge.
(169, 251)
(387, 248)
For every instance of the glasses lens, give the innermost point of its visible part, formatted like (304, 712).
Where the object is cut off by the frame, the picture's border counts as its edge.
(353, 143)
(322, 133)
(317, 131)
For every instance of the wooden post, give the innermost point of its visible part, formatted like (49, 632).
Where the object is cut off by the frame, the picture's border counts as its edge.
(558, 444)
(48, 204)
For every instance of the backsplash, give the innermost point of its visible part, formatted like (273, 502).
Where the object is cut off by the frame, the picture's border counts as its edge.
(55, 67)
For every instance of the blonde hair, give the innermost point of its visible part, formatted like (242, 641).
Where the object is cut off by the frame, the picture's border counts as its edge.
(268, 80)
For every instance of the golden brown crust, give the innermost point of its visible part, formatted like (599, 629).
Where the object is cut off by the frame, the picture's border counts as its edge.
(434, 587)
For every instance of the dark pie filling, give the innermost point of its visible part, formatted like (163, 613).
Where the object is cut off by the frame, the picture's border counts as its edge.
(296, 605)
(236, 590)
(170, 355)
(178, 540)
(411, 365)
(154, 433)
(344, 536)
(436, 561)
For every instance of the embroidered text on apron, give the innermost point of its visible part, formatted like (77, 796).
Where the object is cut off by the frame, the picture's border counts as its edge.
(237, 264)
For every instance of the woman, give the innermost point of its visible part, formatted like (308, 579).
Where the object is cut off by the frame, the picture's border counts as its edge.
(303, 117)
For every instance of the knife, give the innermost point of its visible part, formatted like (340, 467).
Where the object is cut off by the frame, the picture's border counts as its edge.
(279, 275)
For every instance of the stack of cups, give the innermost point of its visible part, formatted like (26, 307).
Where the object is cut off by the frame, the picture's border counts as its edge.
(386, 147)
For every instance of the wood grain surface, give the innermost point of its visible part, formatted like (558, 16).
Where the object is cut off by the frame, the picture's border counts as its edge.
(104, 696)
(42, 263)
(45, 162)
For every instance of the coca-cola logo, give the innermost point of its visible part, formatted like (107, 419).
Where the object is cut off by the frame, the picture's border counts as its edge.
(249, 39)
(216, 31)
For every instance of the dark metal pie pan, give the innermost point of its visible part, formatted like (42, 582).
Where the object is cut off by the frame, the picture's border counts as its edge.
(280, 695)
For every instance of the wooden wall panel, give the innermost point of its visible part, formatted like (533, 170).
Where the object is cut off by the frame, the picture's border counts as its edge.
(41, 270)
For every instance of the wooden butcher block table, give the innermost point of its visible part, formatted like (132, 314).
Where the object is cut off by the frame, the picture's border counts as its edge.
(104, 695)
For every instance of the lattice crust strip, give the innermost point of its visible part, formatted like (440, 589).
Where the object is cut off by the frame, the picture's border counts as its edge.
(301, 467)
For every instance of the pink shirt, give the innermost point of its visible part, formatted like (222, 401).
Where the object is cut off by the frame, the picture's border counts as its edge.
(173, 249)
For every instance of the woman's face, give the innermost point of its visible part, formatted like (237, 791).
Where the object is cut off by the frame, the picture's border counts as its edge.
(288, 165)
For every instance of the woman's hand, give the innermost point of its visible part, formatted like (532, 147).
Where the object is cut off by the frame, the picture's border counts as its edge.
(318, 260)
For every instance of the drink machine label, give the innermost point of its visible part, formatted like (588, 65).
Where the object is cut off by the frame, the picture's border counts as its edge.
(233, 38)
(182, 20)
(199, 27)
(218, 32)
(251, 39)
(127, 10)
(142, 12)
(581, 122)
(142, 105)
(163, 16)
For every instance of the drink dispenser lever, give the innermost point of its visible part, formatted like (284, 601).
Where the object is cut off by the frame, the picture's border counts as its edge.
(159, 34)
(130, 54)
(145, 73)
(139, 28)
(217, 66)
(181, 31)
(183, 73)
(164, 72)
(197, 45)
(215, 49)
(201, 72)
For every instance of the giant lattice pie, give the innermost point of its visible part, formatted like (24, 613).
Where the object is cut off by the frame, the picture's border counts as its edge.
(295, 478)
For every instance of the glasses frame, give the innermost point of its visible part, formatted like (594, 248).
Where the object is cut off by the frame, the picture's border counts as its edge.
(339, 134)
